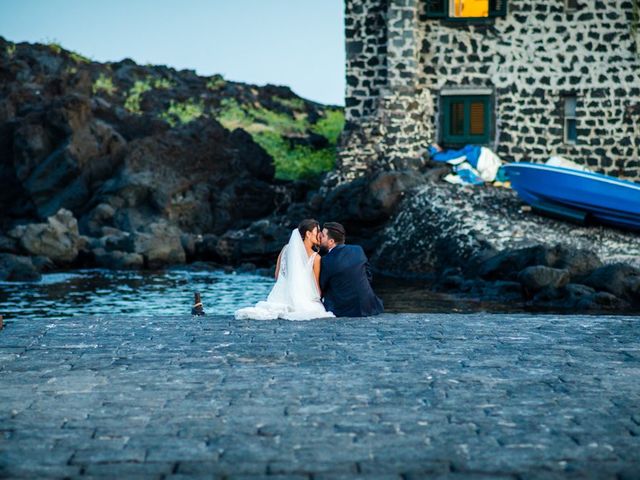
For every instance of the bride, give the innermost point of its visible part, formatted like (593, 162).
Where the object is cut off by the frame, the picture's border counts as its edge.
(296, 294)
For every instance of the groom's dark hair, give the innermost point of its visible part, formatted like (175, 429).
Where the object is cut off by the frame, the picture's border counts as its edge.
(335, 231)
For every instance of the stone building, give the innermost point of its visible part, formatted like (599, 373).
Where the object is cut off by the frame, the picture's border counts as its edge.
(527, 78)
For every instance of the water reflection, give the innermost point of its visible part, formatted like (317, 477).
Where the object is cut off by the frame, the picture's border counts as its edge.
(100, 292)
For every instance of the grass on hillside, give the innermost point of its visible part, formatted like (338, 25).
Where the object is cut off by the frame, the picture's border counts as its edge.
(182, 112)
(11, 50)
(269, 129)
(104, 84)
(216, 82)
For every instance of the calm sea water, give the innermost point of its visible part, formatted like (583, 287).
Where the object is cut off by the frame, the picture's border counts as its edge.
(104, 292)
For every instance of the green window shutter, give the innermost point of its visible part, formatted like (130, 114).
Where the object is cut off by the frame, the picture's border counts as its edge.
(466, 119)
(437, 8)
(497, 8)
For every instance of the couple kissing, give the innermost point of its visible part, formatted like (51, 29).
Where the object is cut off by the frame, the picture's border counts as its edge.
(308, 285)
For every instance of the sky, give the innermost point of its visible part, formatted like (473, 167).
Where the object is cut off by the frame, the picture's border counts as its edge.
(298, 43)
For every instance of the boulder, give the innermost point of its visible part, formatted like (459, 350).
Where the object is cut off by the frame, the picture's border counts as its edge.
(535, 278)
(118, 260)
(93, 222)
(205, 247)
(438, 225)
(575, 292)
(548, 295)
(507, 289)
(603, 301)
(17, 268)
(58, 239)
(43, 264)
(620, 279)
(260, 243)
(8, 244)
(188, 242)
(59, 153)
(117, 240)
(160, 245)
(369, 200)
(509, 263)
(578, 262)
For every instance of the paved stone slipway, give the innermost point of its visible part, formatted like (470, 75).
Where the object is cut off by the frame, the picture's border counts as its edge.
(398, 396)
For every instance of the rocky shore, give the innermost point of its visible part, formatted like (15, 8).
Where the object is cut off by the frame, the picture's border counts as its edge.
(89, 181)
(480, 242)
(120, 165)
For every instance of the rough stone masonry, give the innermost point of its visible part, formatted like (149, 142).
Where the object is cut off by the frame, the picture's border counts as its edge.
(394, 396)
(401, 63)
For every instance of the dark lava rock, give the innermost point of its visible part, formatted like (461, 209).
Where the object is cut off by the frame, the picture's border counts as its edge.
(17, 268)
(160, 245)
(66, 142)
(371, 199)
(575, 292)
(602, 301)
(259, 244)
(8, 244)
(437, 226)
(620, 279)
(508, 289)
(578, 262)
(118, 260)
(535, 278)
(366, 204)
(508, 264)
(58, 239)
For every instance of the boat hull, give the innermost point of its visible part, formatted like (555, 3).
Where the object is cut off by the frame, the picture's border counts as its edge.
(578, 195)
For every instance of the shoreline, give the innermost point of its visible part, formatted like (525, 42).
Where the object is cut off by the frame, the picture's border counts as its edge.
(170, 291)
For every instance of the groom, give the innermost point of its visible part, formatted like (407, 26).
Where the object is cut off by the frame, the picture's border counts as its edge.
(345, 278)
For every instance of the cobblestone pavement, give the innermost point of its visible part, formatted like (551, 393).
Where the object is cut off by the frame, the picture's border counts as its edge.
(397, 396)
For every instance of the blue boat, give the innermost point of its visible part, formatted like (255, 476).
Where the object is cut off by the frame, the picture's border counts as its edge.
(577, 195)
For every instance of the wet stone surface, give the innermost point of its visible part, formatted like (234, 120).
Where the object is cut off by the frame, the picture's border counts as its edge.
(397, 396)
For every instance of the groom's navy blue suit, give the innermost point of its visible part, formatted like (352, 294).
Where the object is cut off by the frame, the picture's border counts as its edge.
(345, 281)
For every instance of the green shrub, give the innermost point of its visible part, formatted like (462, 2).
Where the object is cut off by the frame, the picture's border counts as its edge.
(216, 82)
(104, 84)
(298, 162)
(292, 103)
(232, 116)
(279, 122)
(162, 83)
(181, 113)
(132, 103)
(54, 46)
(330, 126)
(11, 50)
(76, 57)
(269, 129)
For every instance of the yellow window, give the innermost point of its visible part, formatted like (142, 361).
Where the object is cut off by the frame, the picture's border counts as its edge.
(469, 8)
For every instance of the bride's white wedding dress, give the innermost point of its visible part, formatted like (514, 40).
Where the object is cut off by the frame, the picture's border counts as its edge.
(295, 295)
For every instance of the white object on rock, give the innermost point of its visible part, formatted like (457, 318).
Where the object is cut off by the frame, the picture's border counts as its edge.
(488, 164)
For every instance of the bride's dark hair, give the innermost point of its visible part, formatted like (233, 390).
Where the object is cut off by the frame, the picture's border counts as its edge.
(307, 225)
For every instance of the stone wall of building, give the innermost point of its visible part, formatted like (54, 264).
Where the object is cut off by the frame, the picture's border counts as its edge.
(399, 61)
(387, 112)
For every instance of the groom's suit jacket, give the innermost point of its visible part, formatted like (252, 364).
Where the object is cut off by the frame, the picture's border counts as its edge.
(345, 281)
